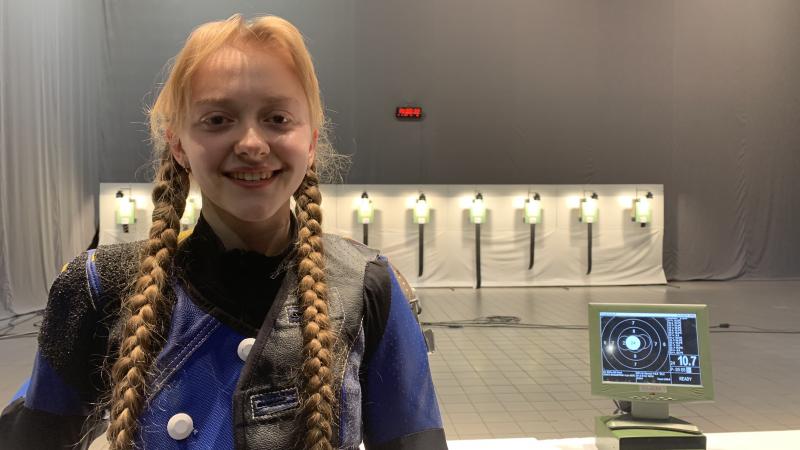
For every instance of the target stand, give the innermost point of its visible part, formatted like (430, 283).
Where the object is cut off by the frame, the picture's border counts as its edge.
(648, 427)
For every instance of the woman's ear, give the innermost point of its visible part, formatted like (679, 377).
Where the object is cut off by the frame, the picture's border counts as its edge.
(175, 147)
(312, 148)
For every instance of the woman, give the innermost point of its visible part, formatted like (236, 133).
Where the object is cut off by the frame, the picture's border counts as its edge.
(255, 331)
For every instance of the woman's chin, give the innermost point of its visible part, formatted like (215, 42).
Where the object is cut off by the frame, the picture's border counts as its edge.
(255, 215)
(250, 210)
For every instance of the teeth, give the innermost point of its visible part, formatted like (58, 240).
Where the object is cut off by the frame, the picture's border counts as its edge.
(250, 176)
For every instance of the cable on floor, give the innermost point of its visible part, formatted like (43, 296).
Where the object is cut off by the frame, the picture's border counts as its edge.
(516, 322)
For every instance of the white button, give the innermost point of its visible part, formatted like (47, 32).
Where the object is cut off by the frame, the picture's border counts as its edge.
(244, 348)
(180, 426)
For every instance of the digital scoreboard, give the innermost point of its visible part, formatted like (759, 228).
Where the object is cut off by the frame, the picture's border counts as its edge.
(408, 113)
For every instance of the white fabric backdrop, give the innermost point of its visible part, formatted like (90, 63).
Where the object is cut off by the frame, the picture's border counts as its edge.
(51, 66)
(623, 252)
(683, 104)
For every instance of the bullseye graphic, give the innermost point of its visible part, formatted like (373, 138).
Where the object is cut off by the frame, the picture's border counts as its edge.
(634, 344)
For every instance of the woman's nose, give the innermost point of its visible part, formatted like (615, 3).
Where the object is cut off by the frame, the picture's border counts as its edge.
(253, 144)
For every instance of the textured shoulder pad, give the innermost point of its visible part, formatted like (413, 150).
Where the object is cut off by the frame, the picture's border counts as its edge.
(69, 314)
(367, 252)
(116, 265)
(83, 302)
(346, 258)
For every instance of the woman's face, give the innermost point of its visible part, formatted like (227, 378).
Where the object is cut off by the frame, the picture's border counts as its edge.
(247, 136)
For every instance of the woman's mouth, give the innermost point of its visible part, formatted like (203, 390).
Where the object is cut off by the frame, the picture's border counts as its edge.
(252, 179)
(251, 176)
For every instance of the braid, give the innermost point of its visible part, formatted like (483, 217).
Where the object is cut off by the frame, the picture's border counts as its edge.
(148, 309)
(318, 339)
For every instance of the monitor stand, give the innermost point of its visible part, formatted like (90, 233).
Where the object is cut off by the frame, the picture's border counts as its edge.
(648, 427)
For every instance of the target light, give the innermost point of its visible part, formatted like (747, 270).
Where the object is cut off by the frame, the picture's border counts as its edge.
(589, 209)
(532, 214)
(477, 212)
(533, 210)
(422, 210)
(126, 211)
(366, 214)
(421, 216)
(643, 209)
(477, 215)
(589, 213)
(366, 210)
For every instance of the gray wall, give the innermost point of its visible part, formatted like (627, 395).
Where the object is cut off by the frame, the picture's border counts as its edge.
(702, 96)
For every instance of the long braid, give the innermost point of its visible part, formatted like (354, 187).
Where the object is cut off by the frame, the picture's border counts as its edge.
(148, 309)
(318, 339)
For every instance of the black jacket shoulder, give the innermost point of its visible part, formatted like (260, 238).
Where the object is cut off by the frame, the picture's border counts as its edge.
(83, 304)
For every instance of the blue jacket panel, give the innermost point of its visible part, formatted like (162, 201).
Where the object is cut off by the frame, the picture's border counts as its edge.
(400, 399)
(388, 400)
(197, 372)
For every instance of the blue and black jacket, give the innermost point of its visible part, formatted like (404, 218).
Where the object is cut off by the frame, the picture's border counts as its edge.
(236, 398)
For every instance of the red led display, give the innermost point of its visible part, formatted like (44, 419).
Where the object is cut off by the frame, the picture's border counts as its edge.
(408, 112)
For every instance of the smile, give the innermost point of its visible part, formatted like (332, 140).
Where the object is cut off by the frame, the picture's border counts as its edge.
(251, 176)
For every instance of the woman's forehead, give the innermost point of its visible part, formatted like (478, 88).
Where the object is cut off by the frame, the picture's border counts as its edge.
(245, 71)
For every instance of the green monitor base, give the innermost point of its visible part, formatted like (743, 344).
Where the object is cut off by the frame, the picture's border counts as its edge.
(625, 432)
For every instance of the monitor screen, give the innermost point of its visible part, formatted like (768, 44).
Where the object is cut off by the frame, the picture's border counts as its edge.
(650, 348)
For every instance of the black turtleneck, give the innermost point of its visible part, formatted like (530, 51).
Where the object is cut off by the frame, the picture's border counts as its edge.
(237, 286)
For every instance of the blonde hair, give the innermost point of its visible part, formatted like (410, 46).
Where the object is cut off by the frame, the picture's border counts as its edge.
(147, 311)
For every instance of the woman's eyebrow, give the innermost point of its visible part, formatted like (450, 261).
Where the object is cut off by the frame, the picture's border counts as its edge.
(229, 102)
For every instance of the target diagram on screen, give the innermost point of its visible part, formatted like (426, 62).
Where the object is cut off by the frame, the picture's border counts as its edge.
(634, 343)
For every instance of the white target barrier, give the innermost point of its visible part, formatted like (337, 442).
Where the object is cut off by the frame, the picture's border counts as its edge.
(623, 252)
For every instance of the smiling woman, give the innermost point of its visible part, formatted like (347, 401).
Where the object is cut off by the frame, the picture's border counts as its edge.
(248, 142)
(256, 331)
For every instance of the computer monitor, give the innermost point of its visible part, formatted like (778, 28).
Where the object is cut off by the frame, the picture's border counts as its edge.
(650, 354)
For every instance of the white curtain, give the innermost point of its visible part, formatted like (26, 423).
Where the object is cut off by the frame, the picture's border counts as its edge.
(52, 76)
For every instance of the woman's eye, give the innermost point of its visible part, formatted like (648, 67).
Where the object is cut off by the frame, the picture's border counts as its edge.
(215, 121)
(278, 119)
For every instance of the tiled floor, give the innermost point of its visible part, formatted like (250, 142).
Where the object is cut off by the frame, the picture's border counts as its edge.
(503, 382)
